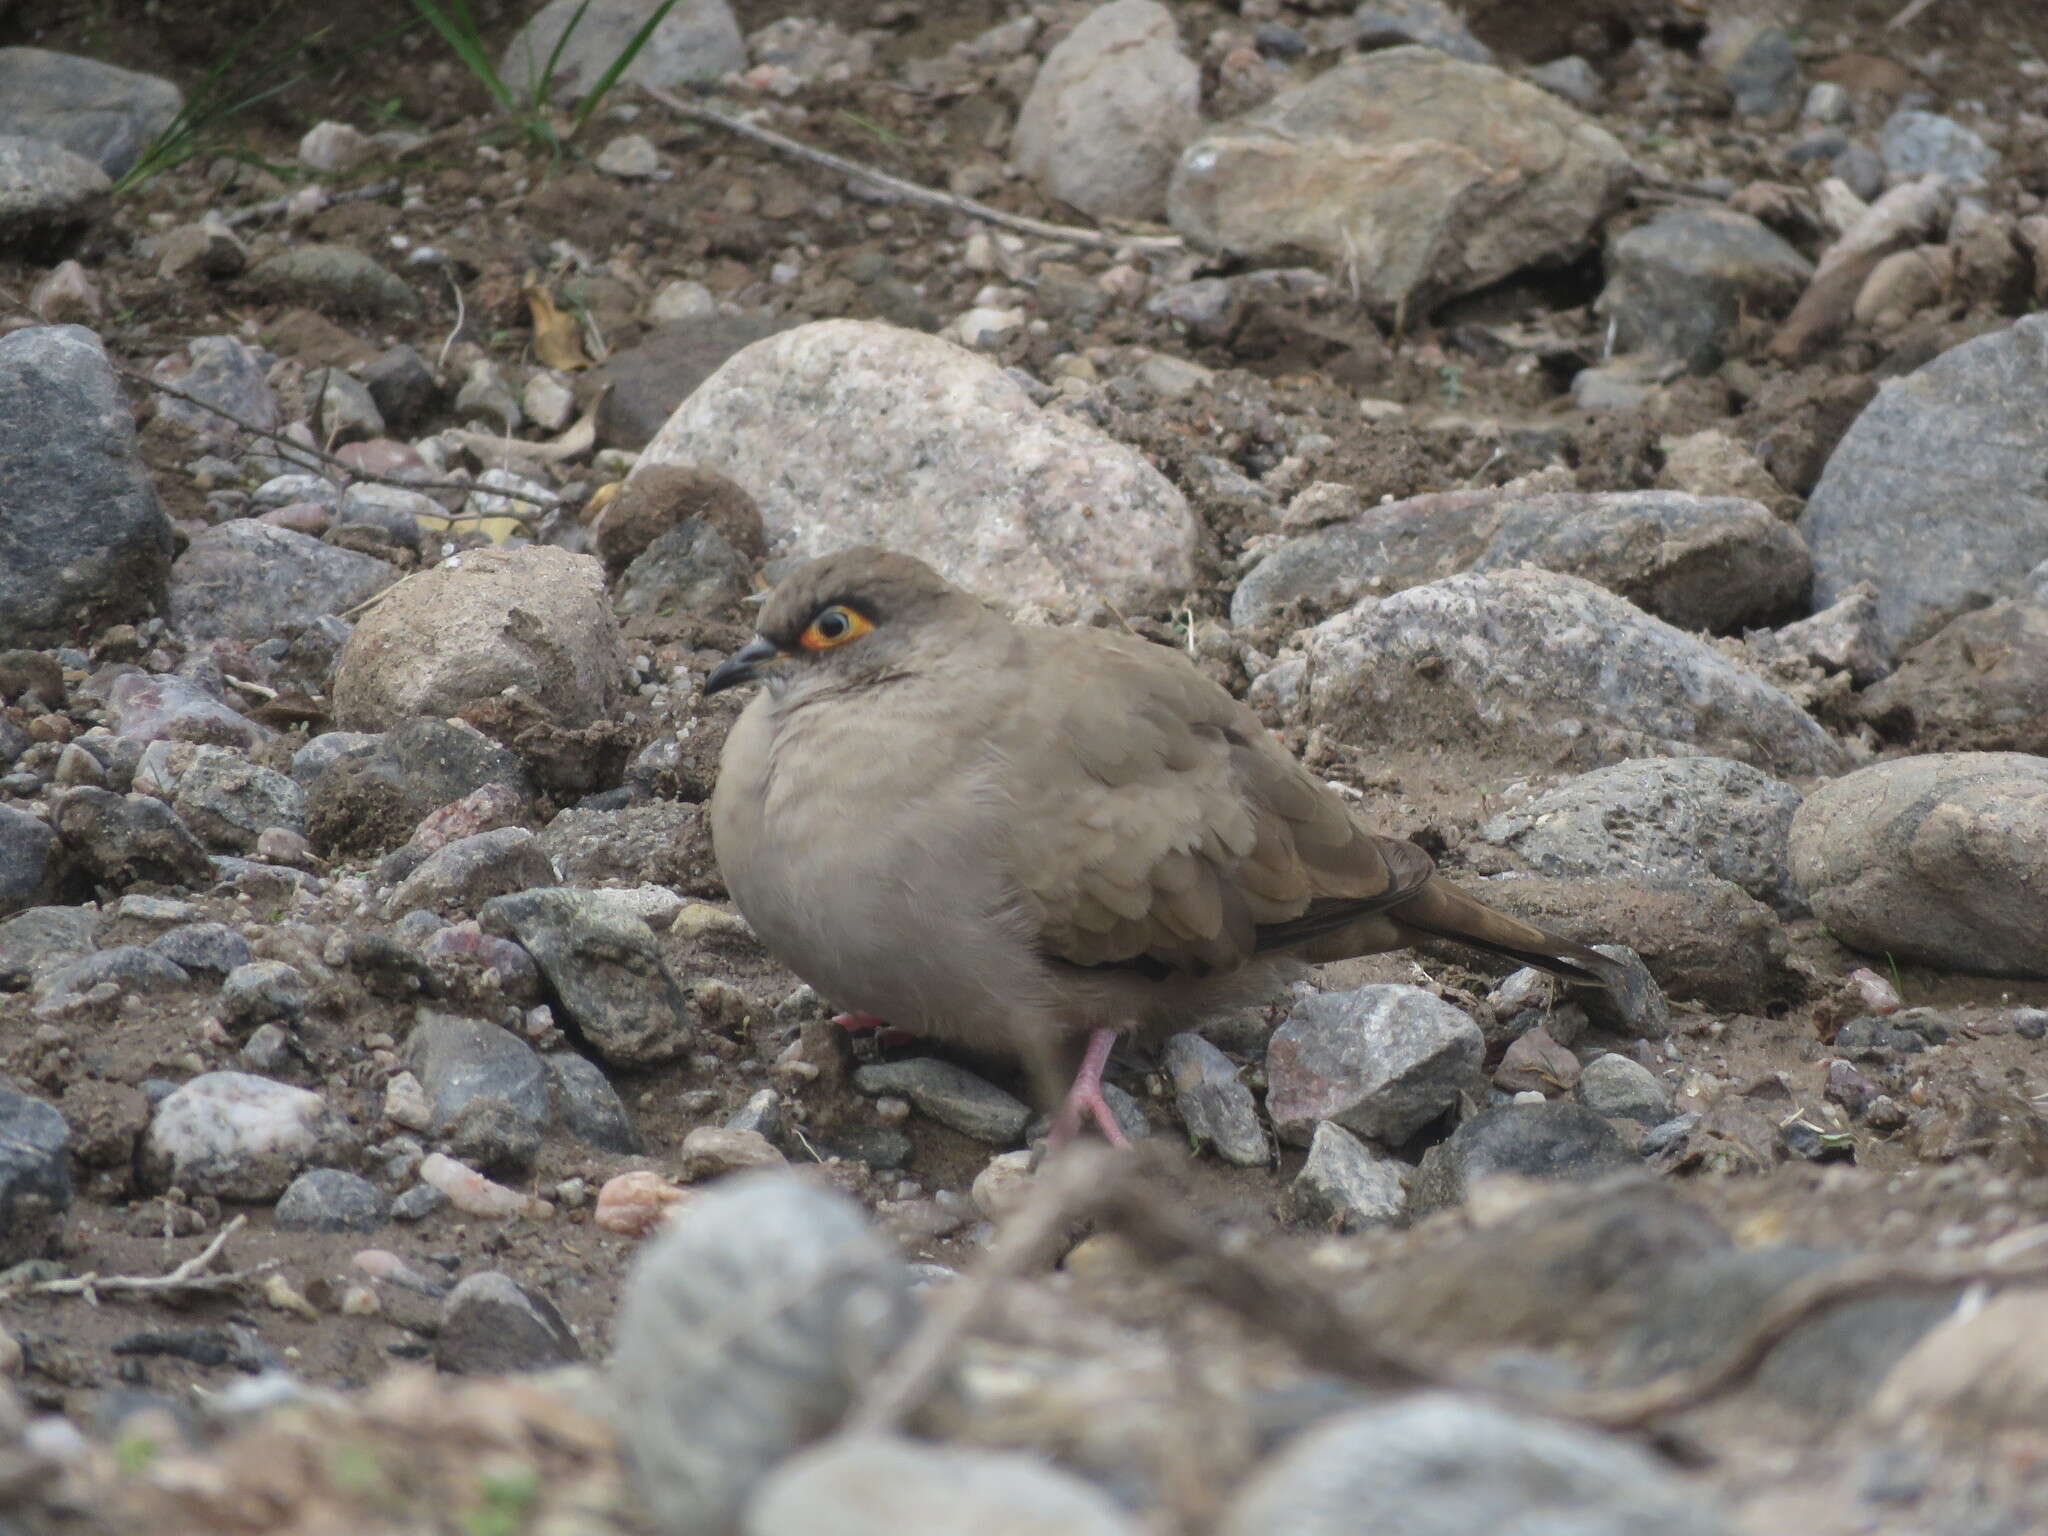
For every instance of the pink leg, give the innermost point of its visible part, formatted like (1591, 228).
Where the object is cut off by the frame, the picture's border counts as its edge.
(1086, 1094)
(855, 1023)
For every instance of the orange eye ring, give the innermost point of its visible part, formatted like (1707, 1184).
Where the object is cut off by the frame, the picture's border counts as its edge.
(834, 626)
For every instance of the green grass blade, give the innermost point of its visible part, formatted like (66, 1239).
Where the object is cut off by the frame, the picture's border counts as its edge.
(620, 65)
(458, 31)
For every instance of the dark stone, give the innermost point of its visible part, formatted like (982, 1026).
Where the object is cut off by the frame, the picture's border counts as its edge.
(604, 968)
(106, 114)
(589, 1106)
(249, 581)
(208, 947)
(492, 1326)
(31, 863)
(370, 799)
(1557, 1140)
(35, 1176)
(86, 543)
(402, 385)
(331, 1200)
(650, 380)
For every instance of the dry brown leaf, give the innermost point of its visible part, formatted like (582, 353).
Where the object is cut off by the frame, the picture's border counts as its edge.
(557, 338)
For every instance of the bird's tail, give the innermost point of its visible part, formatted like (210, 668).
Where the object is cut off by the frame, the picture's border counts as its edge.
(1442, 911)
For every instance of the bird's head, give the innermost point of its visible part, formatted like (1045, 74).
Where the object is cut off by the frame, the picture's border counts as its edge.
(841, 619)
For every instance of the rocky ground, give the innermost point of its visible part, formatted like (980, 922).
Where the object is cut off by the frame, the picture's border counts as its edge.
(1604, 437)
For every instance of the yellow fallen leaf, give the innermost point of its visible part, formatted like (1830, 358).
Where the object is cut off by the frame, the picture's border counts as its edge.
(557, 339)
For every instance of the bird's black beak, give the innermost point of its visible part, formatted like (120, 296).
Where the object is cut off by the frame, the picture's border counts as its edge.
(743, 665)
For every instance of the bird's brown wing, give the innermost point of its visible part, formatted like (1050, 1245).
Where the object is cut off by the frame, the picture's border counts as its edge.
(1156, 820)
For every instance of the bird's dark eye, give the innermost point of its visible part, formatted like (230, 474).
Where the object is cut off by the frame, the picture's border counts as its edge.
(835, 626)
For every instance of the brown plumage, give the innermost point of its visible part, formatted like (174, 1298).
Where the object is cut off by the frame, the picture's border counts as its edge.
(1012, 835)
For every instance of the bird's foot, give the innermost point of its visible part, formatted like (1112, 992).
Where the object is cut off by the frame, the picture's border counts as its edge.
(1085, 1097)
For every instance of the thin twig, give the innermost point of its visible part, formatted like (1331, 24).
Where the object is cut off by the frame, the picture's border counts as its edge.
(1072, 1184)
(1636, 1407)
(301, 452)
(189, 1276)
(910, 191)
(268, 206)
(1908, 16)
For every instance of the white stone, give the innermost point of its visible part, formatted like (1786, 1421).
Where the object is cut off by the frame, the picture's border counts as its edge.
(235, 1136)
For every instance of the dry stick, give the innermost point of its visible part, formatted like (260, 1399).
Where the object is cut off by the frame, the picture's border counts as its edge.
(188, 1276)
(1093, 239)
(321, 457)
(1636, 1407)
(1071, 1185)
(255, 211)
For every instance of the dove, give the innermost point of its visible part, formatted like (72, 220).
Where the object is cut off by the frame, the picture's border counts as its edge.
(1027, 838)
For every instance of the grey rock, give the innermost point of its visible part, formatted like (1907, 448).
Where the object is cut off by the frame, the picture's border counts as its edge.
(249, 581)
(392, 510)
(1215, 1105)
(761, 1114)
(329, 747)
(229, 802)
(644, 383)
(605, 968)
(1555, 1140)
(105, 114)
(761, 1266)
(1701, 562)
(486, 398)
(342, 408)
(1680, 285)
(369, 800)
(270, 1051)
(657, 842)
(875, 1486)
(1425, 23)
(218, 371)
(48, 196)
(1572, 78)
(1520, 661)
(461, 876)
(1382, 1062)
(1846, 636)
(1934, 494)
(530, 619)
(1827, 1367)
(41, 939)
(1422, 175)
(123, 840)
(1940, 859)
(697, 41)
(1700, 939)
(1439, 1465)
(331, 1200)
(401, 385)
(160, 707)
(1916, 144)
(1979, 683)
(1110, 110)
(336, 277)
(1345, 1186)
(589, 1107)
(690, 569)
(493, 1326)
(1761, 68)
(31, 863)
(87, 542)
(263, 992)
(205, 249)
(1663, 819)
(1616, 1088)
(208, 948)
(1632, 1003)
(982, 483)
(236, 1137)
(128, 967)
(1698, 562)
(417, 1203)
(35, 1176)
(461, 1061)
(951, 1095)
